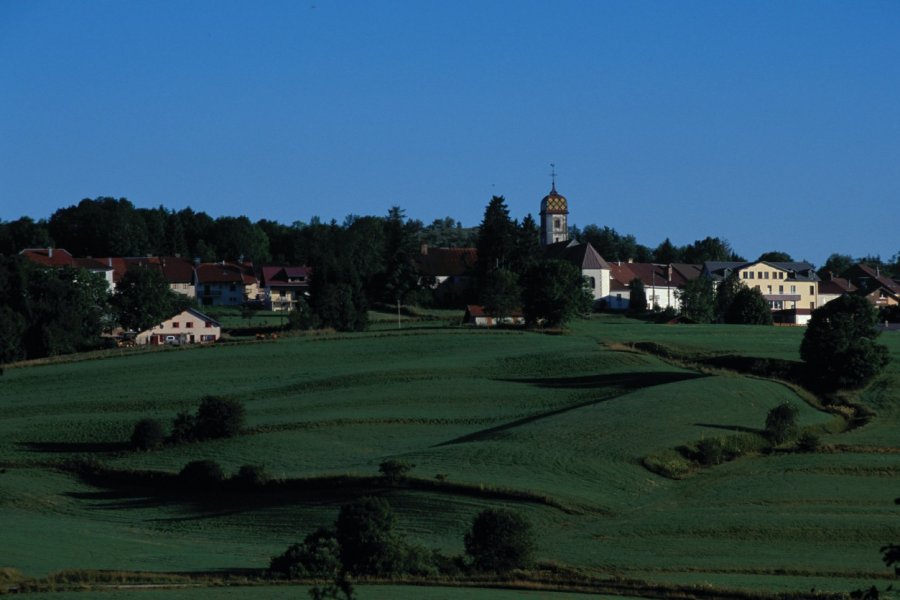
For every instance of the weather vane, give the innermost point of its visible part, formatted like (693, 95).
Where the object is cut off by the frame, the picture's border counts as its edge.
(553, 174)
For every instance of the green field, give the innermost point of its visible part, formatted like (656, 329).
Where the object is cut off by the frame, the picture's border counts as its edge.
(569, 417)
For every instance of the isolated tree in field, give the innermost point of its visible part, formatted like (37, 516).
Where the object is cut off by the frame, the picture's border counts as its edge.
(748, 307)
(148, 434)
(219, 418)
(697, 300)
(394, 470)
(370, 543)
(500, 540)
(637, 297)
(839, 346)
(781, 423)
(555, 292)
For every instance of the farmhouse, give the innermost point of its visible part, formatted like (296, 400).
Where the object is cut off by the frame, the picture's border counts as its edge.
(661, 283)
(187, 327)
(476, 315)
(226, 284)
(59, 257)
(284, 286)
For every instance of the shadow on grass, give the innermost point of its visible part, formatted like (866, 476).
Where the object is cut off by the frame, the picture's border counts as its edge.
(739, 428)
(616, 381)
(76, 447)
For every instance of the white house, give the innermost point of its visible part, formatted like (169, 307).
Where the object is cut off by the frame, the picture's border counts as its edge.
(187, 327)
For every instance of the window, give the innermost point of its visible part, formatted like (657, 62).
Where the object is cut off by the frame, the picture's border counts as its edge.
(175, 325)
(751, 274)
(812, 306)
(780, 289)
(812, 290)
(208, 325)
(557, 223)
(769, 287)
(189, 324)
(793, 289)
(744, 275)
(593, 283)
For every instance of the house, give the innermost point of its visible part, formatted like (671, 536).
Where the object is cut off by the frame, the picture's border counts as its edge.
(283, 286)
(661, 283)
(59, 257)
(178, 272)
(790, 288)
(476, 315)
(594, 268)
(833, 288)
(187, 327)
(448, 271)
(878, 289)
(226, 284)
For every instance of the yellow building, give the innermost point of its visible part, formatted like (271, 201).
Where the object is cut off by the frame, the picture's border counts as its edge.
(789, 287)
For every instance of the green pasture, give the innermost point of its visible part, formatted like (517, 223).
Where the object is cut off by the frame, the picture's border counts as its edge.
(568, 416)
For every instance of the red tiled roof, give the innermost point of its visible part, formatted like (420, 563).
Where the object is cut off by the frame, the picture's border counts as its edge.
(286, 276)
(224, 273)
(49, 257)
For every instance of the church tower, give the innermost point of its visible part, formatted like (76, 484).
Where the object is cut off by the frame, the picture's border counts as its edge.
(554, 216)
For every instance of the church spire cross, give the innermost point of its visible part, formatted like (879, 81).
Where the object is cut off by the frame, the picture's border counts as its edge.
(553, 176)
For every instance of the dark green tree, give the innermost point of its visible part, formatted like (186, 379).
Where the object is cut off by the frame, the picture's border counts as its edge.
(148, 434)
(500, 540)
(219, 417)
(101, 227)
(775, 256)
(554, 293)
(528, 251)
(501, 294)
(749, 307)
(143, 299)
(726, 292)
(698, 302)
(781, 423)
(637, 297)
(667, 253)
(496, 242)
(319, 555)
(239, 239)
(401, 277)
(709, 248)
(836, 265)
(367, 533)
(839, 346)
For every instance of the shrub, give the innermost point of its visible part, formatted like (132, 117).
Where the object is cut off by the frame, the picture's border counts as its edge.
(781, 423)
(712, 451)
(808, 442)
(201, 475)
(318, 556)
(366, 532)
(394, 470)
(183, 428)
(251, 476)
(219, 418)
(500, 540)
(148, 434)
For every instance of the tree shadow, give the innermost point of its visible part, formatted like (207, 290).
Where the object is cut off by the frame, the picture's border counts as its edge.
(76, 447)
(739, 428)
(621, 381)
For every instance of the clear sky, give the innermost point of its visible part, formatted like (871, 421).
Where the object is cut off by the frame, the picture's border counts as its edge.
(775, 125)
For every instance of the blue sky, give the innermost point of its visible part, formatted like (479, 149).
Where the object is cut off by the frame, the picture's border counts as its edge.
(775, 125)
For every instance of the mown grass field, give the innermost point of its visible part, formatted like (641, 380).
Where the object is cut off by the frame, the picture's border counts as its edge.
(570, 417)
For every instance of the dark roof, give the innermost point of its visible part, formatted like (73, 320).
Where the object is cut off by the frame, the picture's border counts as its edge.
(446, 262)
(286, 276)
(673, 275)
(580, 254)
(223, 272)
(176, 269)
(836, 285)
(868, 278)
(59, 257)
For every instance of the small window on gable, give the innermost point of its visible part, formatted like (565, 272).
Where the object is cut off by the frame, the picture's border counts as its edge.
(175, 325)
(751, 274)
(208, 325)
(189, 324)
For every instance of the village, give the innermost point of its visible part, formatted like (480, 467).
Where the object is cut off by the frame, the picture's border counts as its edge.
(792, 290)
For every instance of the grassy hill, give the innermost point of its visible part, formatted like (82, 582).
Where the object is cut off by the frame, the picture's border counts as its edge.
(567, 417)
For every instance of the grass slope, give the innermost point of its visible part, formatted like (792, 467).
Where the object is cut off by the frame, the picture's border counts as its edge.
(566, 416)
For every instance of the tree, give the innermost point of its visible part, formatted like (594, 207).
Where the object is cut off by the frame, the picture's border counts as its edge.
(839, 346)
(500, 540)
(148, 434)
(496, 242)
(201, 475)
(836, 264)
(775, 256)
(319, 555)
(781, 423)
(555, 292)
(667, 253)
(366, 532)
(697, 300)
(709, 248)
(219, 418)
(749, 307)
(501, 294)
(143, 299)
(637, 297)
(528, 251)
(726, 292)
(394, 470)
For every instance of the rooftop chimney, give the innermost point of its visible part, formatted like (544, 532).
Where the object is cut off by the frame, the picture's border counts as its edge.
(49, 252)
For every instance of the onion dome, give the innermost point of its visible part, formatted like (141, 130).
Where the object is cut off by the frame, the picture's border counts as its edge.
(554, 203)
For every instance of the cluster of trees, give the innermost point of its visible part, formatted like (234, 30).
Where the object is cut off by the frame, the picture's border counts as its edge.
(512, 272)
(216, 417)
(730, 302)
(365, 541)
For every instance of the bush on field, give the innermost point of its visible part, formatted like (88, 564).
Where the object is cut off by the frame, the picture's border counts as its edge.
(394, 470)
(201, 475)
(712, 451)
(219, 418)
(251, 476)
(500, 540)
(148, 434)
(319, 555)
(183, 428)
(808, 442)
(781, 423)
(370, 543)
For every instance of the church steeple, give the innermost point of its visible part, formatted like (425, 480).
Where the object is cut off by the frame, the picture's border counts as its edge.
(554, 214)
